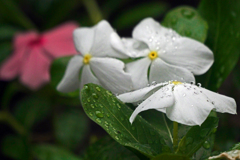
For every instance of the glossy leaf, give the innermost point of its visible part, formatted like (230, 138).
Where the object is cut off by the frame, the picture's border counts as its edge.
(15, 147)
(51, 152)
(71, 127)
(197, 137)
(134, 15)
(30, 110)
(113, 116)
(223, 38)
(187, 22)
(58, 68)
(168, 156)
(107, 148)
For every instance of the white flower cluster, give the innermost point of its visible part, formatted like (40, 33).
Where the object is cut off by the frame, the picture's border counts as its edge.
(160, 55)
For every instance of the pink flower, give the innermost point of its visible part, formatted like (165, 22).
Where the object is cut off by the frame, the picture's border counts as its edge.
(34, 52)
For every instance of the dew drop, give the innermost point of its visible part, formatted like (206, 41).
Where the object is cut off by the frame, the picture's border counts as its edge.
(154, 83)
(206, 145)
(86, 87)
(99, 114)
(98, 120)
(89, 100)
(109, 93)
(116, 137)
(95, 96)
(90, 114)
(192, 82)
(187, 13)
(199, 84)
(101, 105)
(92, 105)
(184, 95)
(98, 89)
(108, 115)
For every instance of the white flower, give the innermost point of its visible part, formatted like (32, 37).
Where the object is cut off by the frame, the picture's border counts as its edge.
(96, 63)
(165, 55)
(182, 102)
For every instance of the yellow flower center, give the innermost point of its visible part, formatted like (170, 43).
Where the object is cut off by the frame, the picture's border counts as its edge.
(86, 58)
(153, 55)
(176, 82)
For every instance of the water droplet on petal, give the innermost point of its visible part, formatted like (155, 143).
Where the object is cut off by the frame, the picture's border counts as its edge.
(199, 84)
(154, 83)
(184, 95)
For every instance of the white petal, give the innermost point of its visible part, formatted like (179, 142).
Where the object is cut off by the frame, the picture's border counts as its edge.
(139, 71)
(152, 33)
(70, 81)
(191, 106)
(139, 95)
(163, 98)
(102, 41)
(83, 39)
(110, 73)
(188, 53)
(222, 103)
(161, 72)
(87, 76)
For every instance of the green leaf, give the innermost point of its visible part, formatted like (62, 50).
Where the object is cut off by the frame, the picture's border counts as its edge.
(7, 32)
(51, 152)
(187, 22)
(58, 68)
(30, 110)
(113, 116)
(5, 50)
(168, 156)
(223, 38)
(197, 137)
(12, 13)
(134, 15)
(15, 147)
(71, 127)
(107, 148)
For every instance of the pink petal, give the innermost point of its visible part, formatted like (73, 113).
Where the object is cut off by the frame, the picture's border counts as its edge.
(35, 70)
(23, 39)
(59, 42)
(12, 66)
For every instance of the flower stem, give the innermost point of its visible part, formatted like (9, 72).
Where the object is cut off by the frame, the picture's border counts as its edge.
(169, 132)
(93, 10)
(175, 135)
(7, 117)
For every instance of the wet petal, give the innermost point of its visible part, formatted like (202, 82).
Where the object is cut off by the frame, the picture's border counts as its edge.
(110, 73)
(163, 98)
(152, 33)
(161, 72)
(35, 70)
(139, 70)
(101, 46)
(70, 81)
(222, 103)
(188, 53)
(59, 41)
(88, 77)
(138, 95)
(191, 106)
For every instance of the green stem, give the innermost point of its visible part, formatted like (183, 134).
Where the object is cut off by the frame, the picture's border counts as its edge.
(93, 10)
(7, 117)
(169, 132)
(175, 135)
